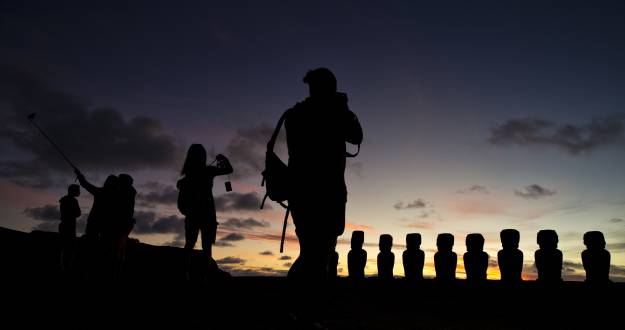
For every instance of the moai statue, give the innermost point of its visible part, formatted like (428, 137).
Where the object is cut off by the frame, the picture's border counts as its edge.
(413, 258)
(475, 259)
(445, 260)
(386, 258)
(357, 257)
(596, 258)
(510, 258)
(548, 258)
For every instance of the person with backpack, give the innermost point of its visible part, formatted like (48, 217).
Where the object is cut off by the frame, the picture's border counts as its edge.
(317, 129)
(196, 203)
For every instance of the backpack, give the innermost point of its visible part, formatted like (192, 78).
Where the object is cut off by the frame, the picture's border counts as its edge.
(276, 177)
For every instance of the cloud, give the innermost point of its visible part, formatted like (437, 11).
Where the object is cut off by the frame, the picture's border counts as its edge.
(47, 212)
(246, 150)
(616, 247)
(232, 237)
(148, 222)
(287, 264)
(238, 202)
(98, 139)
(248, 223)
(474, 189)
(416, 204)
(223, 244)
(266, 253)
(616, 220)
(574, 139)
(158, 194)
(230, 261)
(535, 192)
(285, 258)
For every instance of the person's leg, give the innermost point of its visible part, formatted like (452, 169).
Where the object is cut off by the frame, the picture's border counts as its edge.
(209, 232)
(191, 231)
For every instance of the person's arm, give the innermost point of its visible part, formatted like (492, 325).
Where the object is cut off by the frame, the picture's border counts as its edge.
(223, 166)
(353, 130)
(86, 184)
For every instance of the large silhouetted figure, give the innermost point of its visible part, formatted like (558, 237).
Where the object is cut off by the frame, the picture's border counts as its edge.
(316, 132)
(196, 203)
(333, 265)
(475, 259)
(596, 258)
(445, 260)
(413, 258)
(70, 211)
(104, 204)
(548, 258)
(510, 258)
(115, 232)
(386, 258)
(357, 256)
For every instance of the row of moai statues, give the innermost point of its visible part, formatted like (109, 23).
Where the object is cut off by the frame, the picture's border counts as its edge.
(548, 259)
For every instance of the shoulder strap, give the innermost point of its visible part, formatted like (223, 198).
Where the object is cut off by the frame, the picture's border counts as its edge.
(276, 131)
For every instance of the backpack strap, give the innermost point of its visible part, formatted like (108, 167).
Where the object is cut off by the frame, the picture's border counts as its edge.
(276, 131)
(286, 219)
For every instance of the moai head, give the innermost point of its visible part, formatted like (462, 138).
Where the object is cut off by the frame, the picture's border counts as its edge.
(413, 241)
(594, 240)
(358, 239)
(386, 243)
(445, 242)
(547, 239)
(475, 242)
(510, 238)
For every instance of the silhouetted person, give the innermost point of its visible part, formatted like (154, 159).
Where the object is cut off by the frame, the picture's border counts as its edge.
(357, 256)
(103, 208)
(510, 258)
(196, 203)
(70, 211)
(475, 259)
(596, 258)
(116, 231)
(386, 258)
(413, 258)
(445, 260)
(548, 258)
(316, 131)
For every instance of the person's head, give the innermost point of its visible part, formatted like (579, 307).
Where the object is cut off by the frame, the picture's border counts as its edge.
(73, 190)
(510, 238)
(196, 159)
(386, 242)
(111, 182)
(358, 239)
(125, 180)
(413, 241)
(321, 82)
(594, 240)
(475, 242)
(547, 239)
(445, 242)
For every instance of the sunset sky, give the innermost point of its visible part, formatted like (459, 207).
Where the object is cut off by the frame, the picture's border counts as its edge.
(477, 115)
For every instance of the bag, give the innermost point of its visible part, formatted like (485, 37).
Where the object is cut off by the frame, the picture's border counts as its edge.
(276, 178)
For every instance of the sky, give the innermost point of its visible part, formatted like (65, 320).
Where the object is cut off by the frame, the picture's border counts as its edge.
(478, 116)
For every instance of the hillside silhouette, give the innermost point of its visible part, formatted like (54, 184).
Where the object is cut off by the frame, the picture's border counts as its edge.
(154, 291)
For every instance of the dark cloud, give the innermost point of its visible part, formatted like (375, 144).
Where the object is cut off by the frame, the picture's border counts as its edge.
(616, 247)
(616, 220)
(223, 244)
(416, 204)
(94, 138)
(285, 258)
(232, 237)
(230, 261)
(535, 192)
(148, 222)
(262, 271)
(287, 264)
(574, 139)
(266, 253)
(158, 193)
(474, 189)
(248, 223)
(246, 150)
(47, 212)
(238, 202)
